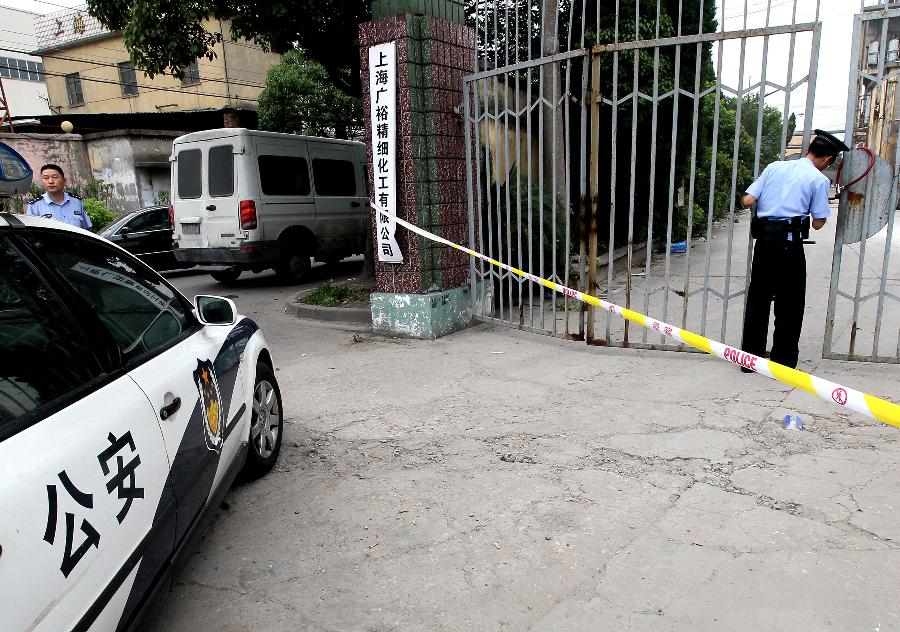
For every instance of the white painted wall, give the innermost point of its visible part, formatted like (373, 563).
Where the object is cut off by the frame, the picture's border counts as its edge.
(24, 98)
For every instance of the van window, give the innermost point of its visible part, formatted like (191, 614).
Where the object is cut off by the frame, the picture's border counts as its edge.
(221, 171)
(334, 177)
(283, 175)
(189, 179)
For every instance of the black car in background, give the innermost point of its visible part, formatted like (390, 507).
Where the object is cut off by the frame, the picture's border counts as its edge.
(146, 233)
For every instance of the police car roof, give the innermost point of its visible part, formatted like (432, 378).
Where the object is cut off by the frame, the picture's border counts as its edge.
(8, 219)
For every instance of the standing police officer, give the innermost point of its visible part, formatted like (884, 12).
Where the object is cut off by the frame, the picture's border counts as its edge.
(56, 203)
(787, 194)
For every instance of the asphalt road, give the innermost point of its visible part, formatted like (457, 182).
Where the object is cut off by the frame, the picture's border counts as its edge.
(261, 296)
(498, 480)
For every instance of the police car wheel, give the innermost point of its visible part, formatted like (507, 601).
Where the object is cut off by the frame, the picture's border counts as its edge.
(266, 424)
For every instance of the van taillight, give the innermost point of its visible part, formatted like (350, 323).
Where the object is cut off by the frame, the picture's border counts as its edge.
(172, 216)
(248, 214)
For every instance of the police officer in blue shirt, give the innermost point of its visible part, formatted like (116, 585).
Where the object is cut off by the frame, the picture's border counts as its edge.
(789, 195)
(56, 203)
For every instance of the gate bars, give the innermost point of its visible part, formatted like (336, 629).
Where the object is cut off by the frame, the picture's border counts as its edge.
(557, 119)
(872, 120)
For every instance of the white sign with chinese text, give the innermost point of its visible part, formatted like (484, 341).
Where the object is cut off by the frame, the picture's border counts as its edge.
(383, 95)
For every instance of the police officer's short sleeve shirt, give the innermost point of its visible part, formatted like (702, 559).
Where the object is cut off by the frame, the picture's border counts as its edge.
(71, 211)
(791, 188)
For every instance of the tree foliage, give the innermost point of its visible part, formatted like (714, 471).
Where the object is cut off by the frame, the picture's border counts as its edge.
(300, 98)
(770, 144)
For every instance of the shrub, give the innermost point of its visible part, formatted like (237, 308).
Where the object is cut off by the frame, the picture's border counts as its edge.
(331, 295)
(99, 212)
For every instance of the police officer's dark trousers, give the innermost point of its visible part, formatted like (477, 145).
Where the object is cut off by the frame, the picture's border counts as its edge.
(778, 274)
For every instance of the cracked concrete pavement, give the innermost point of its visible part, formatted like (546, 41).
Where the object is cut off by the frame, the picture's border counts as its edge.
(495, 479)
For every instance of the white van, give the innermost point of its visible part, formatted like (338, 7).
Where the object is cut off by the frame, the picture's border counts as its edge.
(251, 200)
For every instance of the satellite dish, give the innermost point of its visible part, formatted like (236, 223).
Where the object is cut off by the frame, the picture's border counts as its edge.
(15, 173)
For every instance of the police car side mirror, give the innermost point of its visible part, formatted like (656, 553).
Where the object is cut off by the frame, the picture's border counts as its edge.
(215, 310)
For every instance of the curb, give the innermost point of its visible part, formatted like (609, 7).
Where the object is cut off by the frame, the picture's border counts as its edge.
(331, 314)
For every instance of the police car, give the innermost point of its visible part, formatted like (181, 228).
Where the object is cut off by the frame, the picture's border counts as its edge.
(125, 414)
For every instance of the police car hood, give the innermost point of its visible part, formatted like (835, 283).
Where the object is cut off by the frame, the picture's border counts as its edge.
(8, 219)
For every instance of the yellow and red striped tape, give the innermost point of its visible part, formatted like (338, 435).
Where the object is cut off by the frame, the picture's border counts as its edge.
(868, 405)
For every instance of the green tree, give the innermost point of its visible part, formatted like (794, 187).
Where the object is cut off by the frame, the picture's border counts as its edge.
(300, 98)
(770, 145)
(518, 31)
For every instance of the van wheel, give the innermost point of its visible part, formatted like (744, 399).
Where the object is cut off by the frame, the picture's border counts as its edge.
(226, 276)
(293, 266)
(266, 424)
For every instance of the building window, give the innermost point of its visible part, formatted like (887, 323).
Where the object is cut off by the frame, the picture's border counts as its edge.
(11, 68)
(33, 74)
(128, 79)
(191, 74)
(73, 88)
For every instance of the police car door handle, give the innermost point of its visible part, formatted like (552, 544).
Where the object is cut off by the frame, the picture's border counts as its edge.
(211, 207)
(167, 411)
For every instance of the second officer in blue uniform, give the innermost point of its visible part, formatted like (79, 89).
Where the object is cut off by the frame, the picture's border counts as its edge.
(789, 195)
(56, 203)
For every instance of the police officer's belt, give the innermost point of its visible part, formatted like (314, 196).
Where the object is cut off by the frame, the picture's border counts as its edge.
(764, 229)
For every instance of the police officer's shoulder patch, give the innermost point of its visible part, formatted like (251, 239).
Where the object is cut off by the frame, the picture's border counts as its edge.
(77, 197)
(35, 201)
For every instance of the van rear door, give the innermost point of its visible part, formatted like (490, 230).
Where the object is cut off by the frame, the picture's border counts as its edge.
(187, 199)
(223, 222)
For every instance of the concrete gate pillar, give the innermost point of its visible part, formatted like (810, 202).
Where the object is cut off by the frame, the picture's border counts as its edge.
(427, 295)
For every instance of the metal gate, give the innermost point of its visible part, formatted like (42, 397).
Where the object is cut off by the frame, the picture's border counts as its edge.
(594, 126)
(865, 279)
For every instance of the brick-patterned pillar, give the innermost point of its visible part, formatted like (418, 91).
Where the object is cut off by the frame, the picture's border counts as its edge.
(426, 296)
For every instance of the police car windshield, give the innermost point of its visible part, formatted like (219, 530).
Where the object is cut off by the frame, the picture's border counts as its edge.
(140, 311)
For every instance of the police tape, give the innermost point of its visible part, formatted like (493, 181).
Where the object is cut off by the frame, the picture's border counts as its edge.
(846, 397)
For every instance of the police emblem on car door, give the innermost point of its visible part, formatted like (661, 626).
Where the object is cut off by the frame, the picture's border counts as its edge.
(210, 405)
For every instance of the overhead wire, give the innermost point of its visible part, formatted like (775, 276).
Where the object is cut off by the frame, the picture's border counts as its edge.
(94, 64)
(146, 87)
(206, 63)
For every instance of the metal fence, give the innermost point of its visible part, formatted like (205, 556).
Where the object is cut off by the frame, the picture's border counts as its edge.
(865, 280)
(609, 143)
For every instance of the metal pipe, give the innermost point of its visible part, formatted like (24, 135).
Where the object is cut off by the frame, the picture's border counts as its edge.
(849, 123)
(654, 126)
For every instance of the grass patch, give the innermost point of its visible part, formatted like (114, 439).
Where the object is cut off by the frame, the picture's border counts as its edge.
(331, 295)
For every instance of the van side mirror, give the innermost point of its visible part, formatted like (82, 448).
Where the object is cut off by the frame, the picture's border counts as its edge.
(215, 310)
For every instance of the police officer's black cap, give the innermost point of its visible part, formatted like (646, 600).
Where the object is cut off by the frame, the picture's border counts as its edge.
(831, 141)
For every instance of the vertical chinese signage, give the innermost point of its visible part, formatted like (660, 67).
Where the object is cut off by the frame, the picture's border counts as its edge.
(383, 95)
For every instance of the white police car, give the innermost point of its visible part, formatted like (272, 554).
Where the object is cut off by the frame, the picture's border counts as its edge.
(125, 414)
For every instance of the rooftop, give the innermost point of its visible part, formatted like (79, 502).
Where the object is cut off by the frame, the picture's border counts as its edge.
(66, 27)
